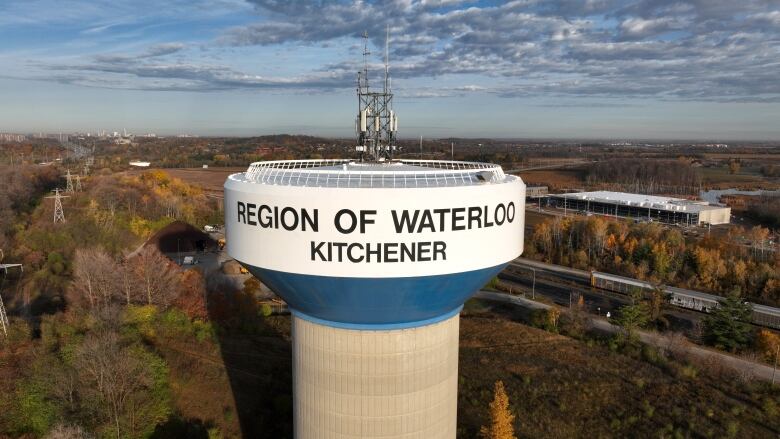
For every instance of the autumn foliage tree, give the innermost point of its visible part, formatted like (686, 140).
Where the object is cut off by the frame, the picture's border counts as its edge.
(501, 425)
(768, 344)
(662, 256)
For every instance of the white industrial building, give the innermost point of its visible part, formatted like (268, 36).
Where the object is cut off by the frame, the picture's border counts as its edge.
(662, 209)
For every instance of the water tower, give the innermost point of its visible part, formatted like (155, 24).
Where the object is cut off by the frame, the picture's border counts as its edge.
(375, 258)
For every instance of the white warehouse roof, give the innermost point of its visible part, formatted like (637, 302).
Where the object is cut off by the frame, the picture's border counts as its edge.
(641, 200)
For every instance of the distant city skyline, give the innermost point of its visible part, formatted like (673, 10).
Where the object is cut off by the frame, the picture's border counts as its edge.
(646, 69)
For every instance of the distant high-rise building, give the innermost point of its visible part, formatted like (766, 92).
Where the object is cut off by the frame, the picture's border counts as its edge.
(11, 137)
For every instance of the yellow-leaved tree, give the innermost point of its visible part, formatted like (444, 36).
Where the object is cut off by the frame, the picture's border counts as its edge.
(501, 418)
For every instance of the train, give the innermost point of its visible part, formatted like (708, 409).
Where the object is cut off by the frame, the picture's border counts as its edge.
(695, 300)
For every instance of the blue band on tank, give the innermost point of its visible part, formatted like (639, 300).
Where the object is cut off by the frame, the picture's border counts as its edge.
(378, 327)
(366, 302)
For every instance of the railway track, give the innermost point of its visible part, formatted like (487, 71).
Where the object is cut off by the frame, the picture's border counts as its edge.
(564, 286)
(687, 304)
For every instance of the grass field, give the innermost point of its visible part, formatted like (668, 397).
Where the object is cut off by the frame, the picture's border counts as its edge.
(558, 386)
(562, 387)
(746, 178)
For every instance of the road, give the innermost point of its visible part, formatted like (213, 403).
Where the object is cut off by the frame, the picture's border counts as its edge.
(743, 366)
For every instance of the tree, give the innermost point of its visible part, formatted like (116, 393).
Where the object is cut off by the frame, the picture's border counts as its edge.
(634, 316)
(578, 318)
(62, 431)
(657, 301)
(95, 277)
(155, 275)
(727, 327)
(734, 166)
(767, 344)
(546, 319)
(501, 424)
(192, 295)
(122, 383)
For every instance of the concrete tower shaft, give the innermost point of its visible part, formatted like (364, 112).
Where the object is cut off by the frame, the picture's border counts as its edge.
(354, 384)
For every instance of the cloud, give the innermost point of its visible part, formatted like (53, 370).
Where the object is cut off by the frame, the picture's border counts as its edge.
(707, 50)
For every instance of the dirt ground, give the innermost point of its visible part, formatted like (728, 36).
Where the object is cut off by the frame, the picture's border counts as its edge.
(555, 179)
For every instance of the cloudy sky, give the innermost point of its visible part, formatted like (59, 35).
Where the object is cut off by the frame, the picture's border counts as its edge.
(548, 68)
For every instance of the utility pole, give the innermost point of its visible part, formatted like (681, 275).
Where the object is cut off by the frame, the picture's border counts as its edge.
(421, 147)
(59, 214)
(774, 369)
(452, 150)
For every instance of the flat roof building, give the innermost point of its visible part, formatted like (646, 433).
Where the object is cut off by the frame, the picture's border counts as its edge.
(535, 191)
(666, 210)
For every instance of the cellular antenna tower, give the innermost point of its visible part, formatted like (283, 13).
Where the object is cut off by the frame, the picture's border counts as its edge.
(375, 259)
(376, 124)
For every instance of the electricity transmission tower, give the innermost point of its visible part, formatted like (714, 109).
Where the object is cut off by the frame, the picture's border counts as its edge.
(69, 184)
(4, 318)
(4, 323)
(90, 162)
(59, 214)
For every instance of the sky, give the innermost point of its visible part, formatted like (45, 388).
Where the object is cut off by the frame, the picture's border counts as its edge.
(644, 69)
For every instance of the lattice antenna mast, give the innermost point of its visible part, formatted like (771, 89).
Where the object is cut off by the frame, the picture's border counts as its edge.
(376, 124)
(59, 213)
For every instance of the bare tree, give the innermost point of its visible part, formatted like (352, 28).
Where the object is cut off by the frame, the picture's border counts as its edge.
(95, 276)
(113, 379)
(62, 431)
(65, 386)
(157, 278)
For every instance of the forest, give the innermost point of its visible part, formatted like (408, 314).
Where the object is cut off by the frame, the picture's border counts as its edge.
(765, 209)
(84, 314)
(645, 176)
(663, 255)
